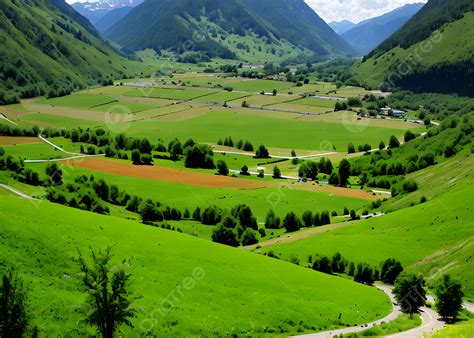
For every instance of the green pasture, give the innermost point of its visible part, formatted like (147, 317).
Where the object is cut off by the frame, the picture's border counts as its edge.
(223, 96)
(260, 85)
(167, 93)
(316, 102)
(408, 235)
(122, 107)
(282, 199)
(233, 292)
(272, 132)
(54, 121)
(80, 100)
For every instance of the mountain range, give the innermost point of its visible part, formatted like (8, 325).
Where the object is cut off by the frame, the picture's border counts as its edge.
(431, 50)
(48, 48)
(94, 11)
(368, 34)
(208, 24)
(340, 27)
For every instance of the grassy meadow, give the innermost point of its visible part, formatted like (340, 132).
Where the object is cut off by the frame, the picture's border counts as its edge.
(277, 298)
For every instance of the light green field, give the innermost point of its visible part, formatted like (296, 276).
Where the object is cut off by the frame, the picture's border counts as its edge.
(41, 151)
(233, 291)
(463, 329)
(124, 107)
(432, 238)
(282, 199)
(165, 93)
(222, 97)
(271, 132)
(54, 121)
(317, 102)
(261, 85)
(80, 100)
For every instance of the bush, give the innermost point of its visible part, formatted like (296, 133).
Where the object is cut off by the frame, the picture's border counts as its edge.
(272, 221)
(262, 152)
(222, 168)
(249, 237)
(224, 235)
(291, 222)
(276, 172)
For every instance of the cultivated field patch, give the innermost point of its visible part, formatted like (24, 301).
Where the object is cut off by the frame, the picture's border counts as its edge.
(14, 140)
(165, 174)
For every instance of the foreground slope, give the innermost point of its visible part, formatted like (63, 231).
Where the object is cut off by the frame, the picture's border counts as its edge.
(426, 54)
(236, 292)
(435, 237)
(47, 46)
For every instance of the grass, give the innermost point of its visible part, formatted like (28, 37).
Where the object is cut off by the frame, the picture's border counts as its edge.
(316, 102)
(257, 86)
(41, 151)
(166, 93)
(270, 131)
(461, 329)
(80, 100)
(235, 292)
(433, 238)
(124, 107)
(400, 324)
(283, 199)
(222, 97)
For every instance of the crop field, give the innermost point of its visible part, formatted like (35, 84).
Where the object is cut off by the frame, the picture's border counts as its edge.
(39, 151)
(167, 93)
(124, 107)
(14, 140)
(80, 100)
(261, 85)
(317, 102)
(297, 134)
(176, 190)
(42, 244)
(222, 97)
(264, 100)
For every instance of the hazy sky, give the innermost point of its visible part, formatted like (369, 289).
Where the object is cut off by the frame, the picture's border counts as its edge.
(353, 10)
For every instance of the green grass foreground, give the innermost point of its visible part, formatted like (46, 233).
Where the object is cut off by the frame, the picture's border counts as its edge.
(232, 291)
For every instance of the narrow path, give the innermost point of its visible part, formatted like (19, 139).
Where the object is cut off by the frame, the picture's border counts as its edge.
(3, 117)
(396, 311)
(288, 238)
(63, 159)
(17, 192)
(430, 324)
(56, 147)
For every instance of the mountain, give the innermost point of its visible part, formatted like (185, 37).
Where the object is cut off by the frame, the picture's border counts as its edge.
(96, 10)
(368, 34)
(342, 26)
(298, 23)
(207, 26)
(112, 17)
(47, 47)
(432, 49)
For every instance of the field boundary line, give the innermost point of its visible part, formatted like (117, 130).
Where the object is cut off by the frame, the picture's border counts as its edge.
(17, 192)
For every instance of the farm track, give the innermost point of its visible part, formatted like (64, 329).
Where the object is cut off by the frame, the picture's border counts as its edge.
(17, 192)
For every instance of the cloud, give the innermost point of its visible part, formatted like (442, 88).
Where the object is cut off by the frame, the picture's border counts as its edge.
(355, 10)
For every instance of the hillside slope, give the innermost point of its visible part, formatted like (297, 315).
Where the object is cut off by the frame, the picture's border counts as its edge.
(205, 26)
(340, 27)
(433, 238)
(368, 34)
(234, 292)
(434, 48)
(47, 46)
(296, 22)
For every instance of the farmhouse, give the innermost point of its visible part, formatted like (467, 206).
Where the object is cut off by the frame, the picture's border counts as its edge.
(387, 111)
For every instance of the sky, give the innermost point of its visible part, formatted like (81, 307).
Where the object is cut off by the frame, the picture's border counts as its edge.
(352, 10)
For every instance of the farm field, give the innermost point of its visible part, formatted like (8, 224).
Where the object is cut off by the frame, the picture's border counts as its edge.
(257, 86)
(79, 100)
(177, 190)
(170, 257)
(298, 134)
